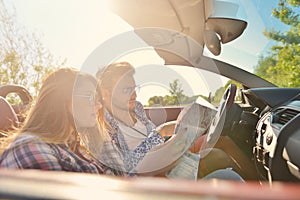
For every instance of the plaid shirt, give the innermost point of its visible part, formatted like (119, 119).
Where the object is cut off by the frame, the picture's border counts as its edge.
(116, 153)
(29, 152)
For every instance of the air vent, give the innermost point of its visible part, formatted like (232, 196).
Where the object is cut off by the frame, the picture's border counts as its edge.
(284, 116)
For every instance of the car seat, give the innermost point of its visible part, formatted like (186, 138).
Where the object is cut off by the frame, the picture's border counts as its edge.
(8, 117)
(11, 115)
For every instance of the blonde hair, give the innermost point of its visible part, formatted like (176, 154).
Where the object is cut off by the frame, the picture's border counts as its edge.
(51, 117)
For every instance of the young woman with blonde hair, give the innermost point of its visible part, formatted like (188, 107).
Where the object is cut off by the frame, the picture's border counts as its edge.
(49, 138)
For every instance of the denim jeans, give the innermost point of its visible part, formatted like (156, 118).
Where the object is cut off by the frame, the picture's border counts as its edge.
(225, 174)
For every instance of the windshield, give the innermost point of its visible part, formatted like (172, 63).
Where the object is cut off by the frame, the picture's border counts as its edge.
(68, 31)
(253, 44)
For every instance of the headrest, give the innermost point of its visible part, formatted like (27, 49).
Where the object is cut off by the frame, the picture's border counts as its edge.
(8, 117)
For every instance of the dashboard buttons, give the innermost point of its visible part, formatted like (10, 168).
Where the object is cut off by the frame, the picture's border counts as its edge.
(269, 139)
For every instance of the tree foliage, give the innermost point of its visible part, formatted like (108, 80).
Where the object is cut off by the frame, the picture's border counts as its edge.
(176, 92)
(176, 97)
(23, 58)
(220, 92)
(282, 66)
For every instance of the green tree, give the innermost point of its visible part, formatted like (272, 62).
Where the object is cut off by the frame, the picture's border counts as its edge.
(218, 95)
(23, 58)
(282, 66)
(220, 92)
(155, 100)
(176, 92)
(176, 97)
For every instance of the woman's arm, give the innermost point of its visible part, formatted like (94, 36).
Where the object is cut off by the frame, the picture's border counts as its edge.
(166, 129)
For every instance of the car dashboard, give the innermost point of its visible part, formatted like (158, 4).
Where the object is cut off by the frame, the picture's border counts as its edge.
(277, 136)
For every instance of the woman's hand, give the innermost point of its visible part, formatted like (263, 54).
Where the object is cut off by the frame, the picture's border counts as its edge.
(166, 129)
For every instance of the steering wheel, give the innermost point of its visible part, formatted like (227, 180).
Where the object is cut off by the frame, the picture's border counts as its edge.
(218, 123)
(22, 92)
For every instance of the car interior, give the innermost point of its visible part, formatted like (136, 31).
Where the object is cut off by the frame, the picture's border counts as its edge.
(263, 122)
(12, 114)
(260, 118)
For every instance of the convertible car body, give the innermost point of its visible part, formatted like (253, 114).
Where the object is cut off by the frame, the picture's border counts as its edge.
(261, 118)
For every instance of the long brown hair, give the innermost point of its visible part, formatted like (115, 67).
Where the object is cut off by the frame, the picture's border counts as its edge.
(107, 79)
(110, 75)
(51, 118)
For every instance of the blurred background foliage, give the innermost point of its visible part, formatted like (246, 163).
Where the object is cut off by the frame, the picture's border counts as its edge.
(24, 60)
(282, 66)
